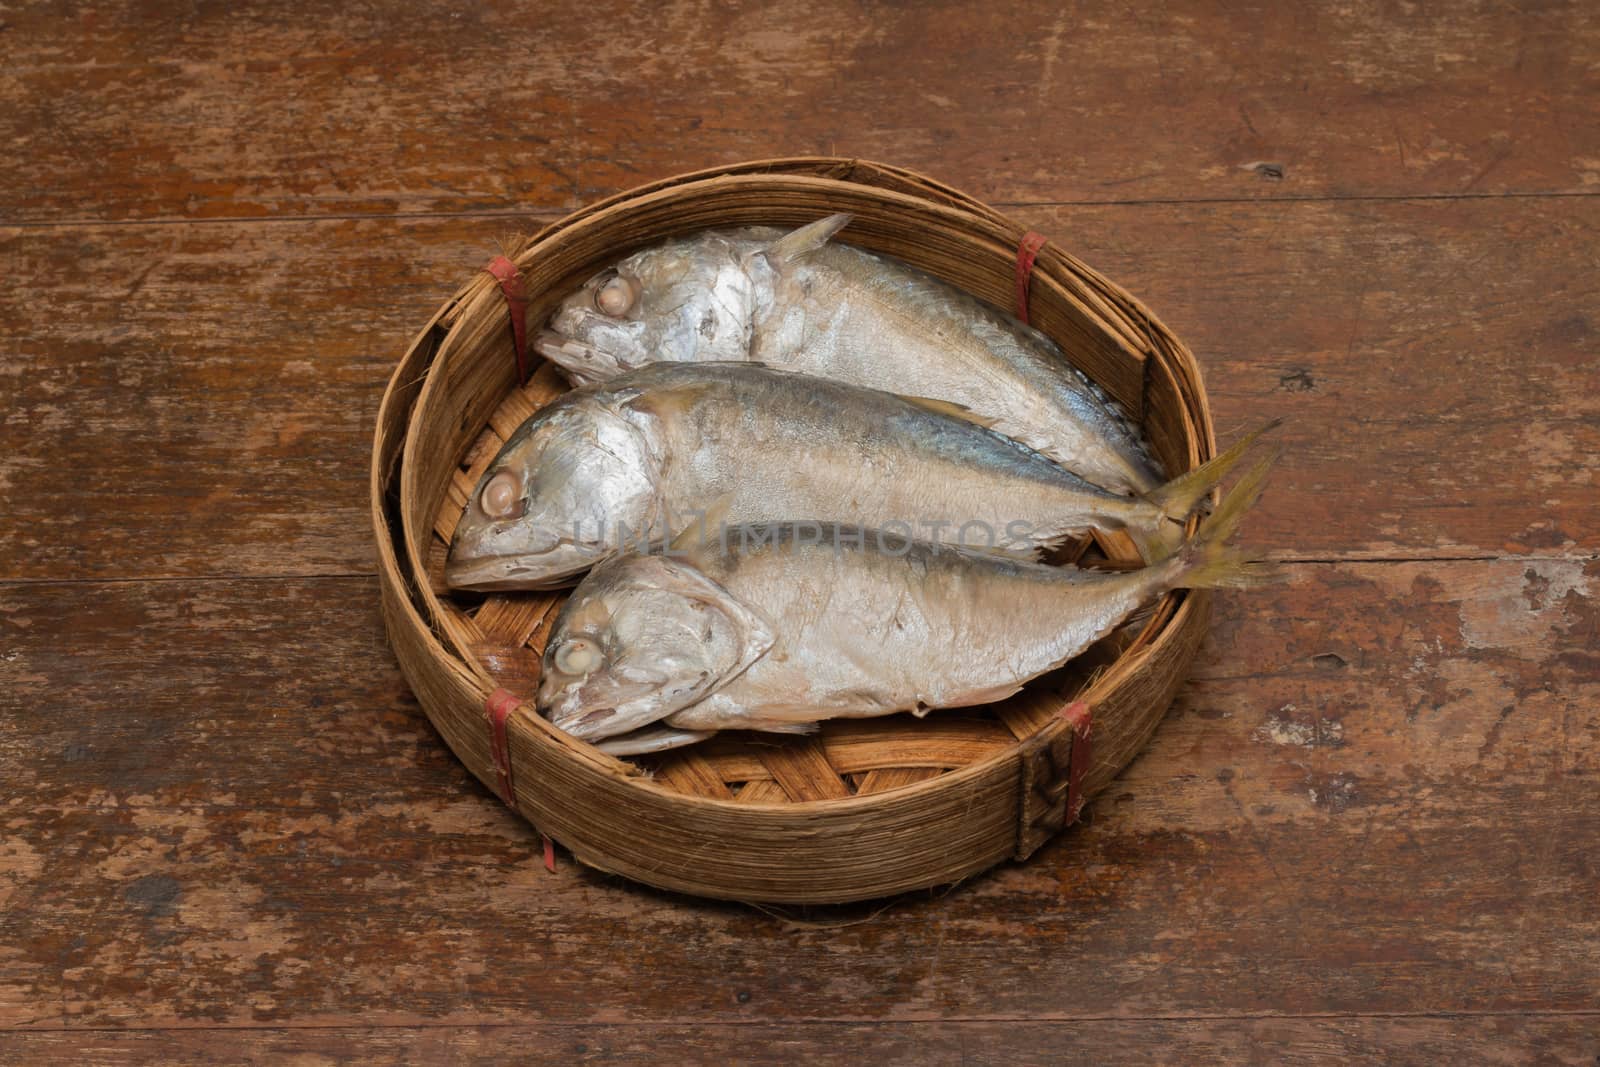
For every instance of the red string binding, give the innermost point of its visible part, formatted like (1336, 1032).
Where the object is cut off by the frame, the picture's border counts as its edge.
(1080, 716)
(1027, 253)
(516, 294)
(496, 710)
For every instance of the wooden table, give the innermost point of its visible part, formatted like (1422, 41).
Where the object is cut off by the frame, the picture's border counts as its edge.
(1367, 829)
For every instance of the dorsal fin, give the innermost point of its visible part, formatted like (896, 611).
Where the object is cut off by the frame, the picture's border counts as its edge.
(950, 409)
(807, 239)
(669, 400)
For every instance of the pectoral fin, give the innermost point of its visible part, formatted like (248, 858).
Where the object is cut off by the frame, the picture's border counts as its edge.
(698, 530)
(674, 402)
(651, 739)
(951, 410)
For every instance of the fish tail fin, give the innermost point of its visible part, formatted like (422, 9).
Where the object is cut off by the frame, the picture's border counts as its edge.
(1179, 498)
(1206, 561)
(1157, 542)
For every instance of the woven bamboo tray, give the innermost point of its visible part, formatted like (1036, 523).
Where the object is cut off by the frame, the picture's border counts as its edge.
(865, 808)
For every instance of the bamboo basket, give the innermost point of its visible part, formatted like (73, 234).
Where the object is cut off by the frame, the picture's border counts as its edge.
(865, 808)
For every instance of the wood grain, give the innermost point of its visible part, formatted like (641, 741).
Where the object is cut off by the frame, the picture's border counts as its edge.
(225, 810)
(250, 432)
(172, 111)
(1435, 362)
(1365, 832)
(186, 401)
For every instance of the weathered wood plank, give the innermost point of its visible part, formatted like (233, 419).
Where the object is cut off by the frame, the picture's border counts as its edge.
(1549, 1039)
(1436, 362)
(224, 809)
(198, 399)
(185, 400)
(1366, 831)
(129, 111)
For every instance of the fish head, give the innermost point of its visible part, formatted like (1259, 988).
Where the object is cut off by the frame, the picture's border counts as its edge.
(681, 301)
(641, 638)
(575, 482)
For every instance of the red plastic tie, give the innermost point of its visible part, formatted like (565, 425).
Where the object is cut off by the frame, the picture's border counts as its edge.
(496, 710)
(516, 294)
(1027, 253)
(1080, 716)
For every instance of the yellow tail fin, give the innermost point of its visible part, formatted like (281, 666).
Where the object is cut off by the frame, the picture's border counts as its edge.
(1179, 498)
(1205, 561)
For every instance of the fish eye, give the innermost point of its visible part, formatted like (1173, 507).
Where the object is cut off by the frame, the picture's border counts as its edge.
(617, 296)
(577, 655)
(500, 498)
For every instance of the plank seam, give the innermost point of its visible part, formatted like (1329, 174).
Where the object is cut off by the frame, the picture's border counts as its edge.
(931, 1020)
(552, 214)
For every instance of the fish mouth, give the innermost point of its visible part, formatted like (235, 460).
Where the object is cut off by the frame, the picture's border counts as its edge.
(583, 363)
(590, 722)
(592, 712)
(491, 574)
(591, 725)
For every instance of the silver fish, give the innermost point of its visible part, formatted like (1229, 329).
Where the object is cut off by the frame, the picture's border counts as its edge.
(777, 631)
(615, 466)
(802, 302)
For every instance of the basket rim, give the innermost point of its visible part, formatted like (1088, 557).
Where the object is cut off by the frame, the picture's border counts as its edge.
(480, 289)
